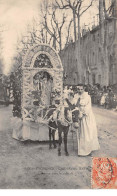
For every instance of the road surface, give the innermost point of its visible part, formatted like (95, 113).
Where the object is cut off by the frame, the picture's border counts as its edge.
(31, 165)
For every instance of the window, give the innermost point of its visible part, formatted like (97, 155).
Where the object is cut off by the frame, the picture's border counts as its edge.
(93, 37)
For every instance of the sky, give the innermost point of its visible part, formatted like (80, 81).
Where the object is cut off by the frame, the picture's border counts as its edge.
(14, 16)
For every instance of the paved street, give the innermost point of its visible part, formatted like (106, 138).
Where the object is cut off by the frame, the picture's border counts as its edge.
(25, 165)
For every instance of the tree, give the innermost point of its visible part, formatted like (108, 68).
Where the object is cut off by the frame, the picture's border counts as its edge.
(1, 59)
(105, 13)
(53, 22)
(72, 5)
(1, 65)
(78, 8)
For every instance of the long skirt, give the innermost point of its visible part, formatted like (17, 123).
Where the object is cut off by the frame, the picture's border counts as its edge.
(87, 135)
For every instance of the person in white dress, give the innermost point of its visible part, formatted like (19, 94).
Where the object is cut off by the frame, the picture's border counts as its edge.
(87, 132)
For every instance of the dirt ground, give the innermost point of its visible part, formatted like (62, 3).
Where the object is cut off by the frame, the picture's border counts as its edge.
(31, 165)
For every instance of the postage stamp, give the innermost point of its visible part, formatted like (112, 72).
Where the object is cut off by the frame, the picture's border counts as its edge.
(104, 173)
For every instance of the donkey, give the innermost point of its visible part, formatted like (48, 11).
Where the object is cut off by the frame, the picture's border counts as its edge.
(64, 119)
(52, 129)
(60, 118)
(51, 117)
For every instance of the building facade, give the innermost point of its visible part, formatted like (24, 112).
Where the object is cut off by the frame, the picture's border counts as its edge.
(97, 64)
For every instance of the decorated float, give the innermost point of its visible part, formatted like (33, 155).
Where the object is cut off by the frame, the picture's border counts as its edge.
(42, 84)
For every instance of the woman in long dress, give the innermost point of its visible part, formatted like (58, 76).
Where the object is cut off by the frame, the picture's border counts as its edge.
(87, 133)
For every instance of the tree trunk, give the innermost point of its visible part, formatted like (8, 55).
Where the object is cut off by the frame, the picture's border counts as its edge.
(101, 21)
(79, 52)
(54, 43)
(74, 20)
(60, 41)
(46, 37)
(103, 43)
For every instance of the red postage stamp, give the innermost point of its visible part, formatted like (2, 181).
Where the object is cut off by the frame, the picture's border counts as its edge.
(104, 173)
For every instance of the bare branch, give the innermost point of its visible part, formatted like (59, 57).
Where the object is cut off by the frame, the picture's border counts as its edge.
(54, 19)
(86, 8)
(64, 20)
(50, 39)
(53, 34)
(67, 6)
(68, 31)
(79, 7)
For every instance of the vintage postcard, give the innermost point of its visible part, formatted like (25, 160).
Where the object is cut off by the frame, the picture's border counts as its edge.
(58, 94)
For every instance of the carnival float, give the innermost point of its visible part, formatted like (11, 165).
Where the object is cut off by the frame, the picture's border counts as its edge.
(41, 84)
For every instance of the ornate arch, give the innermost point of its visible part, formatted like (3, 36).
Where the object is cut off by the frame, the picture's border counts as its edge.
(38, 49)
(55, 70)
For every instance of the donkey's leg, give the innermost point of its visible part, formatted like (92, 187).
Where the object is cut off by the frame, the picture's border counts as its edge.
(59, 143)
(53, 136)
(50, 142)
(65, 140)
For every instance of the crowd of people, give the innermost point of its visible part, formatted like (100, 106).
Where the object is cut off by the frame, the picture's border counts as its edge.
(101, 96)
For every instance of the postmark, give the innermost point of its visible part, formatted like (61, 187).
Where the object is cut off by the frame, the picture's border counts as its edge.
(104, 173)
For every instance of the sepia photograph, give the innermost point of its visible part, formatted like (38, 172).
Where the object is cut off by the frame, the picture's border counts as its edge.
(58, 94)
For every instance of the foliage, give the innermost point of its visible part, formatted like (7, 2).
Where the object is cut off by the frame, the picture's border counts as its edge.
(16, 81)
